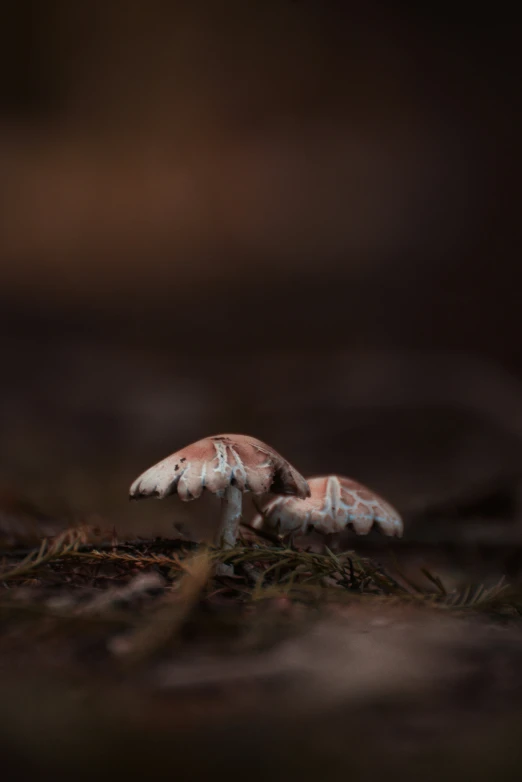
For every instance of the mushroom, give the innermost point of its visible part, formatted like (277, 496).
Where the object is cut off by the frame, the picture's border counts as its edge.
(227, 465)
(334, 504)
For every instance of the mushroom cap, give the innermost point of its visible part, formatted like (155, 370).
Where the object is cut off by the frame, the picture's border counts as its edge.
(335, 503)
(217, 462)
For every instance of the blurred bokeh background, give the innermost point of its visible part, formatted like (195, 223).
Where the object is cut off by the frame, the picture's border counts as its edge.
(298, 220)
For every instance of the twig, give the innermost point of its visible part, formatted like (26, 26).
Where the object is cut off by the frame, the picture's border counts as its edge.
(146, 559)
(166, 621)
(66, 543)
(435, 580)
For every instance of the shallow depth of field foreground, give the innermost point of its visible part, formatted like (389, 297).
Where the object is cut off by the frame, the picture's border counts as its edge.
(133, 654)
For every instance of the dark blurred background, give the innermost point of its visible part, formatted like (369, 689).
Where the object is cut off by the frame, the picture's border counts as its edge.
(298, 220)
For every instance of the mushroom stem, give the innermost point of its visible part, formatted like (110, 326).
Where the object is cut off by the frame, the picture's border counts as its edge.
(231, 507)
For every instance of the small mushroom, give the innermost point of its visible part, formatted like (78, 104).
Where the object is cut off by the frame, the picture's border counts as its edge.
(227, 465)
(334, 504)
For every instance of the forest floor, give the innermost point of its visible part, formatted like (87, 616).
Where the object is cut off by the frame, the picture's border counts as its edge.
(136, 656)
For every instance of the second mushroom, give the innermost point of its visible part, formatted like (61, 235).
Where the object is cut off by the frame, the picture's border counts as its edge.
(335, 504)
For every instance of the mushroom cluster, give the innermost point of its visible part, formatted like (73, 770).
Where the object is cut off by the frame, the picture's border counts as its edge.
(230, 465)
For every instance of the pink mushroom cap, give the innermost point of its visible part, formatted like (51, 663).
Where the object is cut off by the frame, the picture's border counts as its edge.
(216, 463)
(335, 503)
